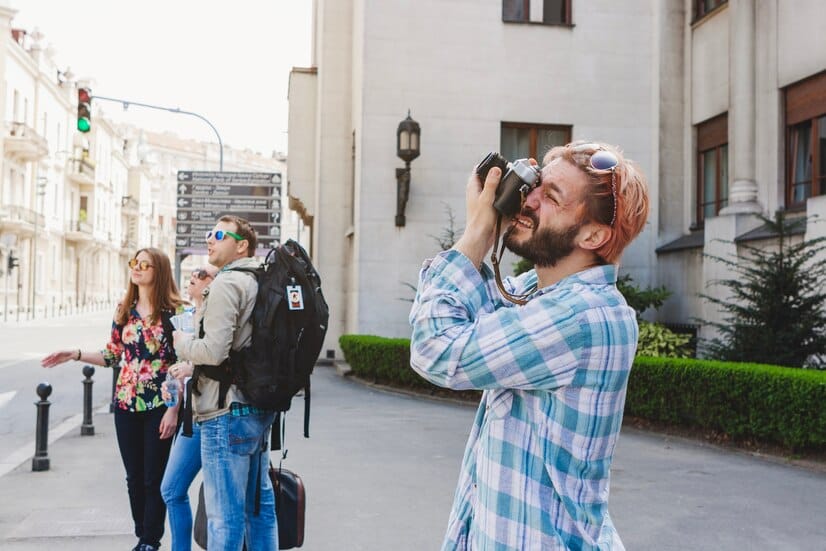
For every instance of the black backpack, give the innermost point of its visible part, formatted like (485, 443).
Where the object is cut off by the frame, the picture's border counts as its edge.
(289, 322)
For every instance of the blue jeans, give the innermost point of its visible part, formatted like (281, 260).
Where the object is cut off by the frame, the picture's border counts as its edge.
(184, 463)
(235, 458)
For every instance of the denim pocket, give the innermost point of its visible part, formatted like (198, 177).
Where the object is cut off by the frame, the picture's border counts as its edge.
(245, 434)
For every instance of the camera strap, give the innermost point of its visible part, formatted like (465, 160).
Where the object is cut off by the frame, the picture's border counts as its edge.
(494, 258)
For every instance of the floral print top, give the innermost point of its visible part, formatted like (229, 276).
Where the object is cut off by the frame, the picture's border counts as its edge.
(143, 353)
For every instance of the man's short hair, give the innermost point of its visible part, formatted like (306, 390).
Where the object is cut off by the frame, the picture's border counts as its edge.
(243, 228)
(616, 198)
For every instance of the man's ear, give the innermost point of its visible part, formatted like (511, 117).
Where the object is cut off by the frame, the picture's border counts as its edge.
(593, 236)
(242, 246)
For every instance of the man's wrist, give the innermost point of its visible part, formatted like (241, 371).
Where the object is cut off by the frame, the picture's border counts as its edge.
(474, 249)
(77, 358)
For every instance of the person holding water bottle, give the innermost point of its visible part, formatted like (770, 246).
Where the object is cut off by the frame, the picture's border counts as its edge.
(140, 343)
(185, 458)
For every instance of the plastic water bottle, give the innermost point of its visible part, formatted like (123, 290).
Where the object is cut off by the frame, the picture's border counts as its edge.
(172, 388)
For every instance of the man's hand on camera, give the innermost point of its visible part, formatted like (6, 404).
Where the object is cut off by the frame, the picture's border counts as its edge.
(481, 217)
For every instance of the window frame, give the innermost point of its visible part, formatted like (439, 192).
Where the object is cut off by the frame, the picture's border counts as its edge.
(712, 135)
(805, 101)
(534, 129)
(700, 11)
(568, 20)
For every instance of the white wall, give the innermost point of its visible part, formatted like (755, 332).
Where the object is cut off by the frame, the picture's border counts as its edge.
(462, 72)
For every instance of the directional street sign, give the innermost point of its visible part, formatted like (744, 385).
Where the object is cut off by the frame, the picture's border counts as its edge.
(205, 196)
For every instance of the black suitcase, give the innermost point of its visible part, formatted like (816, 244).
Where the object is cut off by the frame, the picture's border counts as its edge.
(289, 510)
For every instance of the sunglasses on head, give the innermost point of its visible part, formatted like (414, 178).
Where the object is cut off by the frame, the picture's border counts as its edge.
(201, 274)
(221, 234)
(602, 159)
(141, 265)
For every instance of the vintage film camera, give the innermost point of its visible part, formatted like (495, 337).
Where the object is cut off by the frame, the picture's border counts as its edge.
(518, 178)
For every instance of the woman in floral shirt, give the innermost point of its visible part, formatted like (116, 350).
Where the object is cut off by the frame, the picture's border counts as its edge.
(141, 345)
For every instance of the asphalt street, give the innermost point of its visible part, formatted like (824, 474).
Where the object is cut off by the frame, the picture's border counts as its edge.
(22, 345)
(380, 470)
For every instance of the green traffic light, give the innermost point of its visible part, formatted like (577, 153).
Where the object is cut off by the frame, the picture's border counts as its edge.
(83, 125)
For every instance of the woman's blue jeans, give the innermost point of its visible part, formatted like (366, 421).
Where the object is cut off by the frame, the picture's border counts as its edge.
(235, 461)
(184, 463)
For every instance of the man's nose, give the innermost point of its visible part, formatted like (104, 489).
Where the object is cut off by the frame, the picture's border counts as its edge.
(532, 200)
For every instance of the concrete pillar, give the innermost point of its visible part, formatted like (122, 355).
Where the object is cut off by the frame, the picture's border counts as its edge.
(742, 101)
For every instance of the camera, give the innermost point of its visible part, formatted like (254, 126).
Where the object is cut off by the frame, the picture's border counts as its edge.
(518, 178)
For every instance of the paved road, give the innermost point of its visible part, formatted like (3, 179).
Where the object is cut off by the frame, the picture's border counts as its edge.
(380, 471)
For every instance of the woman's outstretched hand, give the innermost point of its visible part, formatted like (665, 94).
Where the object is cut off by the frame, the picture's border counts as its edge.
(57, 358)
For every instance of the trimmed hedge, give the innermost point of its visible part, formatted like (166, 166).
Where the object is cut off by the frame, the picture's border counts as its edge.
(767, 403)
(770, 404)
(387, 361)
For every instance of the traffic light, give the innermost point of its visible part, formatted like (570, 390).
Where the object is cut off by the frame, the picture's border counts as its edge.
(13, 262)
(84, 109)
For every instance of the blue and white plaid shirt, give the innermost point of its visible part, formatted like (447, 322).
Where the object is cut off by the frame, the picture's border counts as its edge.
(536, 469)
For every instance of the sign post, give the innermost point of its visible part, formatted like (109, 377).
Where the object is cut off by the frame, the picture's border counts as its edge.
(205, 196)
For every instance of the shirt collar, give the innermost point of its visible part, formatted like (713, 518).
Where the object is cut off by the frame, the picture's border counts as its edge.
(598, 275)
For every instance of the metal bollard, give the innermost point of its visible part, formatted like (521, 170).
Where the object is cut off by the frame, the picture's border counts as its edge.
(87, 428)
(40, 461)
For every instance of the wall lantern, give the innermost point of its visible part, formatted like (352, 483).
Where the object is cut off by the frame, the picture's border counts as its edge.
(407, 148)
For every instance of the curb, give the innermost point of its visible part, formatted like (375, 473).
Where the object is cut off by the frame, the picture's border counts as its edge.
(345, 371)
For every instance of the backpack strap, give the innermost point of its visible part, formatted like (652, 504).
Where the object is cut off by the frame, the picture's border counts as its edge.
(307, 410)
(186, 410)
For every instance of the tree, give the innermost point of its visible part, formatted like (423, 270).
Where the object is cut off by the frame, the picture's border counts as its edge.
(776, 313)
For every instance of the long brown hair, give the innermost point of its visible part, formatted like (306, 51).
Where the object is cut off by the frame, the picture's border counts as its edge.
(164, 294)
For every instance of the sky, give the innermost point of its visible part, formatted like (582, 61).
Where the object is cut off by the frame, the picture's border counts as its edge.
(227, 61)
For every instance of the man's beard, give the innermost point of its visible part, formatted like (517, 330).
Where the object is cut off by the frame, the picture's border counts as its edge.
(546, 246)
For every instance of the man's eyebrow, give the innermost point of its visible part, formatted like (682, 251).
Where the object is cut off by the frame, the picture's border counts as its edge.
(556, 189)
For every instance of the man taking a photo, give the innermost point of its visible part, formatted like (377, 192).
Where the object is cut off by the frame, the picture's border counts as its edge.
(536, 468)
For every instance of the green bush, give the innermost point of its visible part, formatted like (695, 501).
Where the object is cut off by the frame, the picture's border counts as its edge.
(659, 341)
(764, 403)
(387, 361)
(767, 403)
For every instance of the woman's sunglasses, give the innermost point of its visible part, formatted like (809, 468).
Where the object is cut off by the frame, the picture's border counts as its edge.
(201, 274)
(141, 265)
(221, 234)
(602, 160)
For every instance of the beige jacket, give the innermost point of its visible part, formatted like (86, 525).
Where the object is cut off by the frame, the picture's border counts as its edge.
(226, 314)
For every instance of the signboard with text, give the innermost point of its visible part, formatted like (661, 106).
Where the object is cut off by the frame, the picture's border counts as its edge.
(205, 196)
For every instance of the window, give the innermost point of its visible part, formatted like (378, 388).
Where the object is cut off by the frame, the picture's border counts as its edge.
(805, 140)
(704, 7)
(554, 12)
(521, 140)
(712, 167)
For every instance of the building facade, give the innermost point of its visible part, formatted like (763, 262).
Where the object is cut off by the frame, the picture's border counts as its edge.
(722, 104)
(75, 207)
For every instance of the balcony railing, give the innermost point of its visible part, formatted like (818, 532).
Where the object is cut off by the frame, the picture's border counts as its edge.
(78, 226)
(82, 171)
(24, 143)
(20, 215)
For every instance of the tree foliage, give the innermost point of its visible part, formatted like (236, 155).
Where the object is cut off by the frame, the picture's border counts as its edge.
(776, 312)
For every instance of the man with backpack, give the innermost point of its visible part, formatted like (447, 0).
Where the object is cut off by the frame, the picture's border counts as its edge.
(237, 489)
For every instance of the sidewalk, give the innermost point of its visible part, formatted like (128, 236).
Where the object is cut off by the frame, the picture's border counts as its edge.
(380, 471)
(80, 503)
